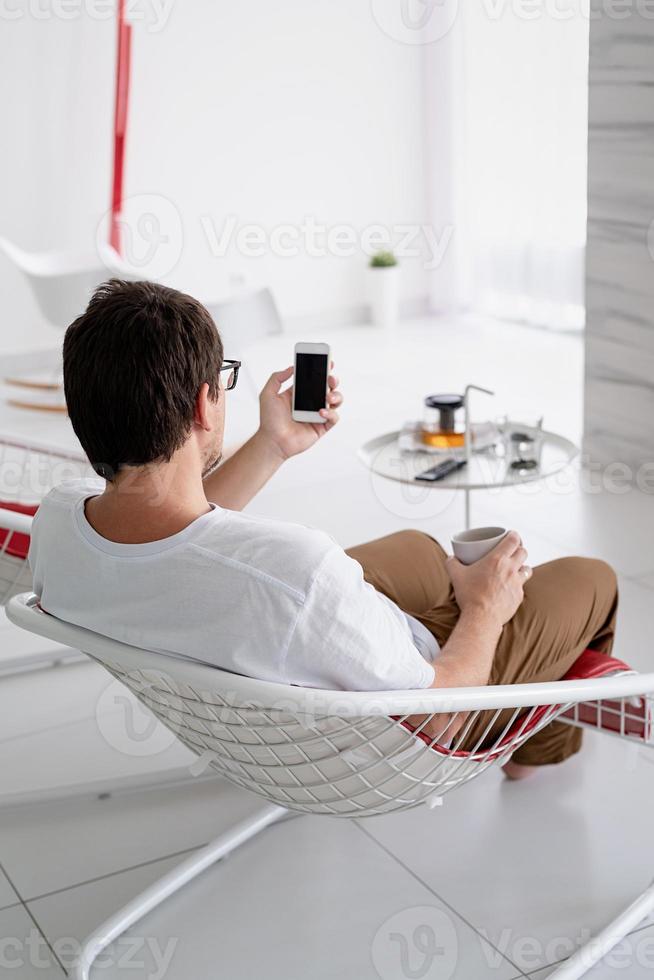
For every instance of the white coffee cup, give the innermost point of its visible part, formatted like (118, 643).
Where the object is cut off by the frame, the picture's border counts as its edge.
(470, 546)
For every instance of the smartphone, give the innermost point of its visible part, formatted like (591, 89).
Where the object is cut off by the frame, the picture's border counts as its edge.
(310, 381)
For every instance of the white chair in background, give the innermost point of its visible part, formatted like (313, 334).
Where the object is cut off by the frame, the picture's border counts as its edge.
(245, 318)
(242, 321)
(345, 754)
(62, 282)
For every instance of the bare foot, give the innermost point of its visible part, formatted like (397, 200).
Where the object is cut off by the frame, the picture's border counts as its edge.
(514, 771)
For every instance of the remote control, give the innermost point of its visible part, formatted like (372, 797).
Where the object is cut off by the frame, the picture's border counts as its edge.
(441, 470)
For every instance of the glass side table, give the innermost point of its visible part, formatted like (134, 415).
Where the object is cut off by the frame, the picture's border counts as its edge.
(485, 470)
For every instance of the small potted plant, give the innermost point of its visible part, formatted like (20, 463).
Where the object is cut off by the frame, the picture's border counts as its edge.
(384, 295)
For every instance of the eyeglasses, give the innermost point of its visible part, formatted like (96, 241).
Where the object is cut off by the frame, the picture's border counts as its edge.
(232, 377)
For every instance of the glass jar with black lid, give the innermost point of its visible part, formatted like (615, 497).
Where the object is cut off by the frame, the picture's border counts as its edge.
(441, 429)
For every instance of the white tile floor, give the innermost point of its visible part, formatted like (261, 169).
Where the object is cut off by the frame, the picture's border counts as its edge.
(508, 876)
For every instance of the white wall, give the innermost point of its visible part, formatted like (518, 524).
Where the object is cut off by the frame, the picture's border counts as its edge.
(270, 112)
(56, 118)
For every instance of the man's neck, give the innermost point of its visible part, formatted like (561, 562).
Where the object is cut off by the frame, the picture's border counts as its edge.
(149, 503)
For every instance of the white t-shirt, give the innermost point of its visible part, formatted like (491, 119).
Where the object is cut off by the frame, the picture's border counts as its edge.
(267, 599)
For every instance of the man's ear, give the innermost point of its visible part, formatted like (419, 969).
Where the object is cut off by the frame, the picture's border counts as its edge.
(201, 416)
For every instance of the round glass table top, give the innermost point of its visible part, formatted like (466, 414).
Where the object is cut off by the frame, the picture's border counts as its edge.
(384, 457)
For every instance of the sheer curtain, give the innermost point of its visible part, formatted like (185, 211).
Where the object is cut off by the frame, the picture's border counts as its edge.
(515, 125)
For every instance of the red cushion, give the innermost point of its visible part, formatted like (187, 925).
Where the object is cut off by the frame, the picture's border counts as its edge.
(17, 544)
(609, 716)
(590, 664)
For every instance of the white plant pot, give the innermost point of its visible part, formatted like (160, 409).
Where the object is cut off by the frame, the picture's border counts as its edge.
(384, 295)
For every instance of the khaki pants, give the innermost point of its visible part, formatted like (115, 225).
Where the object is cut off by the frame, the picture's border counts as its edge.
(569, 604)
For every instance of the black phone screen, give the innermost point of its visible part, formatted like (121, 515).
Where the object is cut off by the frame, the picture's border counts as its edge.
(310, 382)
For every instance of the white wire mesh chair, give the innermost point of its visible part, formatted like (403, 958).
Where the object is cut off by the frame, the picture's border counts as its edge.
(15, 528)
(346, 754)
(27, 473)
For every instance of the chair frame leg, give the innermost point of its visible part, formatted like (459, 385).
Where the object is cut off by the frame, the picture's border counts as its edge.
(578, 965)
(170, 883)
(592, 952)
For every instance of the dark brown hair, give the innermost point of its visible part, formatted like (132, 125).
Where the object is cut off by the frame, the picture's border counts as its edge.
(134, 362)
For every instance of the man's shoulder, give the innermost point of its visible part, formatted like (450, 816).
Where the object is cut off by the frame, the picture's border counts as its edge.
(65, 497)
(287, 552)
(67, 494)
(55, 518)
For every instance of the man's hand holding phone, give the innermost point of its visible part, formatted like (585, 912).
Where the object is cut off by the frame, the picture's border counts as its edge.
(280, 425)
(279, 436)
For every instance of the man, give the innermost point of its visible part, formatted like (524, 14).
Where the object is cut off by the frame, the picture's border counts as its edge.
(158, 554)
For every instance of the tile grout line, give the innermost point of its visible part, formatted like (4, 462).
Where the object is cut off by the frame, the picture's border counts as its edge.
(638, 579)
(33, 919)
(118, 871)
(58, 727)
(61, 726)
(111, 874)
(12, 905)
(549, 966)
(520, 974)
